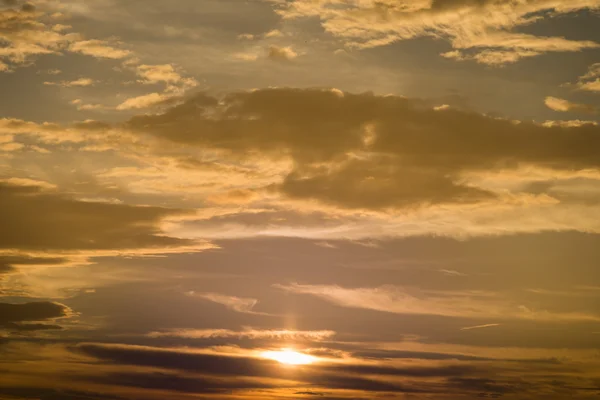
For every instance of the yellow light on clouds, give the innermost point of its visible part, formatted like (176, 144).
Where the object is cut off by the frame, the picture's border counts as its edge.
(289, 357)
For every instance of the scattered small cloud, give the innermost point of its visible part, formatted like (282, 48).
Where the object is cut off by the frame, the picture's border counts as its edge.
(562, 105)
(144, 101)
(276, 53)
(591, 80)
(81, 82)
(274, 33)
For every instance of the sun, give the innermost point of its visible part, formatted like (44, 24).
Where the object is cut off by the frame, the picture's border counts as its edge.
(289, 357)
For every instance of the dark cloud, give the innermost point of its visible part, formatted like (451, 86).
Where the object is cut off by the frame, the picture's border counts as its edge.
(42, 393)
(193, 362)
(15, 327)
(421, 355)
(177, 383)
(368, 151)
(331, 376)
(308, 393)
(6, 268)
(9, 263)
(36, 311)
(378, 184)
(36, 220)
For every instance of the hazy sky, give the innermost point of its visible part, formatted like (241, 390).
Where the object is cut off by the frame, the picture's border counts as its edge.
(299, 199)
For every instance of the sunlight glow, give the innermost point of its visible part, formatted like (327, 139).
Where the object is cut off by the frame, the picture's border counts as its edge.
(289, 357)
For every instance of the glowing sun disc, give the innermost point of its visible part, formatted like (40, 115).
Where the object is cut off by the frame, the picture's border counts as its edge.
(289, 357)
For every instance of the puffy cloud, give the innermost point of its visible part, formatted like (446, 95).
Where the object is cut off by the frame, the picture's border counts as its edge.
(87, 107)
(176, 86)
(246, 56)
(563, 105)
(26, 35)
(143, 101)
(465, 24)
(281, 53)
(591, 80)
(274, 33)
(370, 152)
(158, 73)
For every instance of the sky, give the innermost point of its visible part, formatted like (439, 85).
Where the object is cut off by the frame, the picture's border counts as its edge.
(299, 199)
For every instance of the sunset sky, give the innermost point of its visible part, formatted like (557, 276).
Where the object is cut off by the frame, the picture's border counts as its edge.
(299, 199)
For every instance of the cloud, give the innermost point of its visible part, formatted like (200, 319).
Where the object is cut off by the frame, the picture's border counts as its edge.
(144, 101)
(99, 49)
(399, 300)
(485, 28)
(491, 57)
(575, 123)
(563, 105)
(31, 392)
(451, 272)
(30, 216)
(468, 328)
(341, 376)
(87, 107)
(238, 196)
(248, 333)
(276, 53)
(591, 80)
(274, 33)
(361, 151)
(246, 56)
(177, 372)
(158, 73)
(25, 35)
(176, 86)
(238, 304)
(81, 82)
(27, 312)
(11, 263)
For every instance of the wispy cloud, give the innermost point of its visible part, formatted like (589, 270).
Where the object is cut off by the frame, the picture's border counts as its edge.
(469, 304)
(99, 48)
(81, 82)
(249, 333)
(238, 304)
(468, 328)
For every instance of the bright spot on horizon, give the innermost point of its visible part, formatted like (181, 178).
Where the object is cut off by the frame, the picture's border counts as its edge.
(289, 357)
